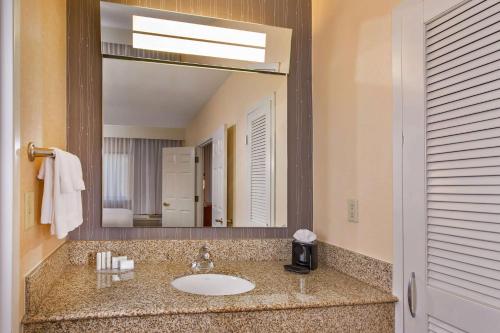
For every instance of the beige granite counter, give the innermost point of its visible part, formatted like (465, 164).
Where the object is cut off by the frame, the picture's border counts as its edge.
(64, 293)
(82, 294)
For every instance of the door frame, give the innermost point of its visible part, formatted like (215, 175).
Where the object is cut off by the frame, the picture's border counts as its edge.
(200, 205)
(430, 12)
(9, 168)
(397, 151)
(198, 183)
(215, 135)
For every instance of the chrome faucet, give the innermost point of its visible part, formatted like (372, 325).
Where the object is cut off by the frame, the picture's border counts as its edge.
(203, 263)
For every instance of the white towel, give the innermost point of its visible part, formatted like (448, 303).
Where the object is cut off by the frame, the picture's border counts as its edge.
(47, 174)
(62, 198)
(70, 172)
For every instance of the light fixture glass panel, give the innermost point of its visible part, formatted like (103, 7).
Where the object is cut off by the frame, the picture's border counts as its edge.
(187, 46)
(198, 31)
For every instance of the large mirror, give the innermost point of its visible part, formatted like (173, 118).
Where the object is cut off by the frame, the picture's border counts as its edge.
(192, 146)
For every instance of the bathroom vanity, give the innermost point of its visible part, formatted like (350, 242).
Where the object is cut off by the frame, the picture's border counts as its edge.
(189, 149)
(80, 299)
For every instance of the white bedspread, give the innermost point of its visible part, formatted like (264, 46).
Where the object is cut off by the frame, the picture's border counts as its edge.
(117, 217)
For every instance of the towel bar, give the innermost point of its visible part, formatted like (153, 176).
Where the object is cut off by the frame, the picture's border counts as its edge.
(34, 151)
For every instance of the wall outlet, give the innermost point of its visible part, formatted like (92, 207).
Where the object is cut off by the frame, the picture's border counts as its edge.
(352, 211)
(29, 210)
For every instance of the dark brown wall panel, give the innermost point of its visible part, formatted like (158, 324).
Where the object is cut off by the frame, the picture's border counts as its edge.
(85, 114)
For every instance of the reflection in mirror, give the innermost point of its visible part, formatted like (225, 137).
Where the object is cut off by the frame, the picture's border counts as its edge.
(187, 146)
(137, 32)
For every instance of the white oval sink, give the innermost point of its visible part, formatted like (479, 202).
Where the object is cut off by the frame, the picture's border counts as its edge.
(212, 284)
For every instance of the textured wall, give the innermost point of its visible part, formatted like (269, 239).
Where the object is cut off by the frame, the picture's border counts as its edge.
(84, 110)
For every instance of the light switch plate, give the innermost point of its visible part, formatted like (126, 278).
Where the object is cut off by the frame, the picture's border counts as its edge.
(352, 211)
(29, 210)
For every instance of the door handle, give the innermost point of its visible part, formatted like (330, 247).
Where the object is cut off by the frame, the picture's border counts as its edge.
(219, 221)
(412, 295)
(166, 204)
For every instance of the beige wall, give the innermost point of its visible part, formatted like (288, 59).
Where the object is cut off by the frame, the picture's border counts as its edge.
(236, 96)
(42, 113)
(352, 123)
(143, 132)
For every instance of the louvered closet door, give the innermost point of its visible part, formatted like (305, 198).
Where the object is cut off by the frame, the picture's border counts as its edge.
(454, 170)
(259, 156)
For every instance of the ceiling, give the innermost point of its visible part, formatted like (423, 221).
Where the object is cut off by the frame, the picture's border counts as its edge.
(137, 93)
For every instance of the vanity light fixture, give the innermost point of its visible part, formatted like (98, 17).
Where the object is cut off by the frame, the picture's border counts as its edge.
(197, 39)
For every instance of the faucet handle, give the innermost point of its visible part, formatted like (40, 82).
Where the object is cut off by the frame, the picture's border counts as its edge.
(203, 263)
(204, 253)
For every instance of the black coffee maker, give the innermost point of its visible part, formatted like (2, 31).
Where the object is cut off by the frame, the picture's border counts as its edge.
(305, 254)
(304, 257)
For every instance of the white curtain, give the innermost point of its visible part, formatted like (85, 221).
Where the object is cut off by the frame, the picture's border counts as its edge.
(118, 173)
(132, 172)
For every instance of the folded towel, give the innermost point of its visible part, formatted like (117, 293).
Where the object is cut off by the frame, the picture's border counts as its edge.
(62, 198)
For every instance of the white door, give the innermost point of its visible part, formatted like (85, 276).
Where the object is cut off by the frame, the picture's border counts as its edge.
(219, 177)
(450, 84)
(260, 151)
(178, 188)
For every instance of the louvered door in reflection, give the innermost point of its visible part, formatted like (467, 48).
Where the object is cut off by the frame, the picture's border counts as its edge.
(259, 134)
(463, 151)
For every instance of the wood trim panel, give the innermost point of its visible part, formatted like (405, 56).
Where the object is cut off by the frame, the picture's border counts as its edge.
(85, 114)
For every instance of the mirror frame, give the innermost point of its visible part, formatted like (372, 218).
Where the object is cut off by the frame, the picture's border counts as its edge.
(84, 108)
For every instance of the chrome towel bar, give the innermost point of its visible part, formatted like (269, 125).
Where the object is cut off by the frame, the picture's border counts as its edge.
(34, 151)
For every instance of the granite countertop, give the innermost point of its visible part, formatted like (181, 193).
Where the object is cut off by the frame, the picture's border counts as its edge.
(81, 293)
